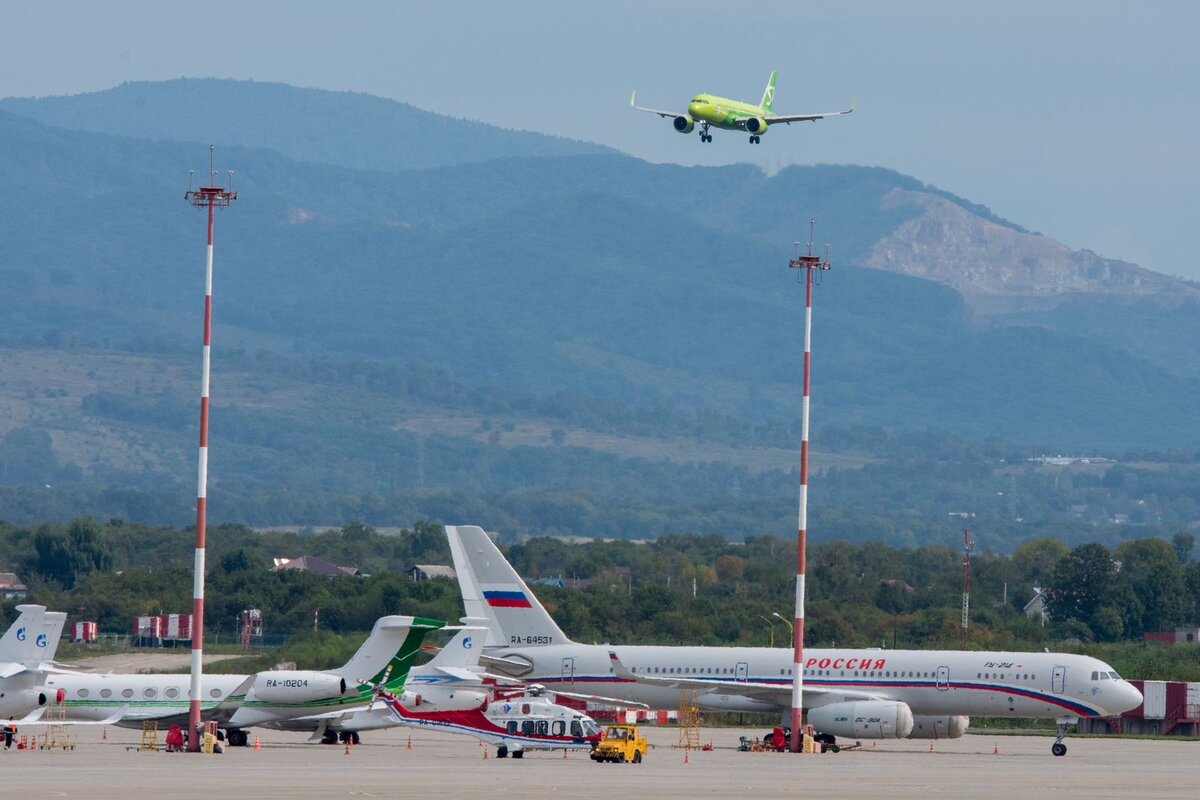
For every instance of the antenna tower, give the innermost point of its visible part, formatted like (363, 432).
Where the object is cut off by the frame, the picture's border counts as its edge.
(210, 197)
(809, 263)
(966, 608)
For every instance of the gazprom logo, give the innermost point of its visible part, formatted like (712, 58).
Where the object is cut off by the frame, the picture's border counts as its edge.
(41, 640)
(467, 642)
(20, 634)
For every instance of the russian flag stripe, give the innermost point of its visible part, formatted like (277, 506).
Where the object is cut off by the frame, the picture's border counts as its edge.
(507, 599)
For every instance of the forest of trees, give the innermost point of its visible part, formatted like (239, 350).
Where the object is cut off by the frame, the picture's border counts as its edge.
(674, 590)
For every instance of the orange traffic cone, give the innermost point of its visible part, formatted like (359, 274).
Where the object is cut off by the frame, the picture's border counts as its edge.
(104, 734)
(996, 751)
(931, 747)
(347, 746)
(409, 742)
(685, 755)
(485, 753)
(257, 743)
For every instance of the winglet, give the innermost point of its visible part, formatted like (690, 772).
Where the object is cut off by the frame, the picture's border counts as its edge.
(633, 99)
(619, 669)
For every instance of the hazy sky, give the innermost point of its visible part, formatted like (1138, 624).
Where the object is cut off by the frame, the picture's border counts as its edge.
(1080, 120)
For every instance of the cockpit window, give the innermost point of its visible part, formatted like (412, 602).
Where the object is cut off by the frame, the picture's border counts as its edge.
(1114, 676)
(1095, 676)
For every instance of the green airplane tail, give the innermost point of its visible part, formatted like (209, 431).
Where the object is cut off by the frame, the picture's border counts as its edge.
(768, 101)
(395, 674)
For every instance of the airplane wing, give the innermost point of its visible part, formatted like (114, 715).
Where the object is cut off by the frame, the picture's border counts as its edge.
(633, 104)
(808, 117)
(780, 694)
(231, 702)
(597, 698)
(35, 718)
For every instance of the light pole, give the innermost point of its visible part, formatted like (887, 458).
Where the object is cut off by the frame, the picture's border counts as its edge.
(786, 621)
(771, 624)
(809, 263)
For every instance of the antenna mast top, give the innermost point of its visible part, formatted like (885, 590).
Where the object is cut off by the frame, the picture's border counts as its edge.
(810, 261)
(211, 195)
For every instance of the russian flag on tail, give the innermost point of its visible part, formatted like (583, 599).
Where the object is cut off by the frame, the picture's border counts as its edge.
(507, 599)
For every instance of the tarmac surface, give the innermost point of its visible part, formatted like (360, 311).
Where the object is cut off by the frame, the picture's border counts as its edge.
(443, 765)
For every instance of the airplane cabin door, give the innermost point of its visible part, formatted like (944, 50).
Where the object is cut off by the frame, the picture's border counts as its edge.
(741, 671)
(1058, 683)
(943, 679)
(568, 670)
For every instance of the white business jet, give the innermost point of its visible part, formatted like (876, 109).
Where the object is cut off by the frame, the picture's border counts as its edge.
(238, 702)
(26, 658)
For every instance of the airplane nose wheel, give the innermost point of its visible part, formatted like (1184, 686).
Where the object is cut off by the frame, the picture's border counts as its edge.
(1058, 748)
(705, 136)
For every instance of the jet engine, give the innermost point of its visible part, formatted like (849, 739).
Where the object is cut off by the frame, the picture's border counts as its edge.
(685, 124)
(18, 704)
(756, 125)
(864, 719)
(441, 699)
(297, 686)
(938, 727)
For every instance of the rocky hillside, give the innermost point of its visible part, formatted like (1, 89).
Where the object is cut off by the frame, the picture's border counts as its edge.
(983, 260)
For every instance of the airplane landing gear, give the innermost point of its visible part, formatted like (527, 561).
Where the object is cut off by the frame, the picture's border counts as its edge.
(705, 136)
(755, 139)
(501, 752)
(1058, 748)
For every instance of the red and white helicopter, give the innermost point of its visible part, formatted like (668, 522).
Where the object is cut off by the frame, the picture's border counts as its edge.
(452, 693)
(516, 723)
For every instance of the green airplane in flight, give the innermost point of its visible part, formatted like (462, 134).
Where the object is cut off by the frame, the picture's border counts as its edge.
(731, 115)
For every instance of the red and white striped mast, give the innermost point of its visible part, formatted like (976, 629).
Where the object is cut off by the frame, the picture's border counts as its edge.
(211, 197)
(809, 263)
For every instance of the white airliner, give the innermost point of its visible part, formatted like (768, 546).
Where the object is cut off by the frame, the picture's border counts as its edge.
(237, 702)
(26, 658)
(863, 693)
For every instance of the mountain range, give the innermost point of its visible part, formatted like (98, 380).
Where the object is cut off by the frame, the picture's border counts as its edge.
(388, 274)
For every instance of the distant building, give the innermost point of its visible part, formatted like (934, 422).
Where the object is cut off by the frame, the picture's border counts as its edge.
(315, 565)
(425, 572)
(11, 586)
(1036, 608)
(560, 582)
(1188, 635)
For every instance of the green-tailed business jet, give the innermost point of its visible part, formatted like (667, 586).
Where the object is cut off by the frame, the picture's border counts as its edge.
(731, 115)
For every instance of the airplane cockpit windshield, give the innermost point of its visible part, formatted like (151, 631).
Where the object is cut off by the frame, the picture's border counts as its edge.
(1104, 676)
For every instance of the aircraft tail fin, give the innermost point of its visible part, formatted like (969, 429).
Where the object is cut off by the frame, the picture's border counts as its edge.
(52, 626)
(20, 642)
(768, 101)
(461, 652)
(387, 655)
(492, 590)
